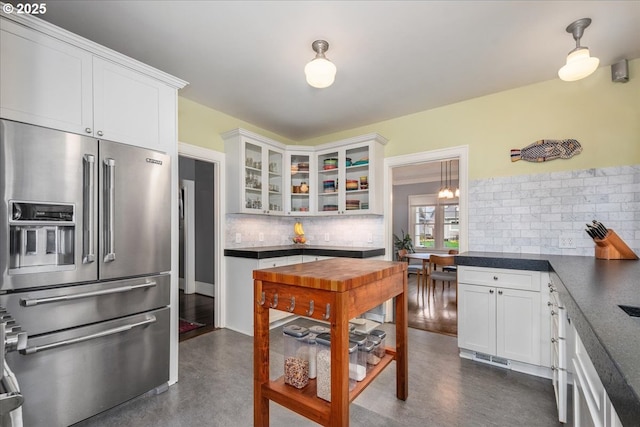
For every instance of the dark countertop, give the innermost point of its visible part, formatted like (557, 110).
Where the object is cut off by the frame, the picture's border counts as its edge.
(591, 289)
(262, 252)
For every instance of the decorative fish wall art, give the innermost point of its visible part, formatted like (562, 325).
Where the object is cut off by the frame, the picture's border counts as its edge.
(547, 149)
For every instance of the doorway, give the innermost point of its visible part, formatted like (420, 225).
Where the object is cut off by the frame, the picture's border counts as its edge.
(199, 239)
(412, 185)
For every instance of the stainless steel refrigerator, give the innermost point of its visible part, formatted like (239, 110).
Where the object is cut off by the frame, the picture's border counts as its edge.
(84, 262)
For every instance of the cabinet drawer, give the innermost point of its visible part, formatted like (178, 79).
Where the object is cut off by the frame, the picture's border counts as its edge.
(505, 278)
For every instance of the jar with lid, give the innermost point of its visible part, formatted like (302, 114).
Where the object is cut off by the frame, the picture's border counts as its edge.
(372, 357)
(358, 371)
(296, 356)
(380, 350)
(323, 365)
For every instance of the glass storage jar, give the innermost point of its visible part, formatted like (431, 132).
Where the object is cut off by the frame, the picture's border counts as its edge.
(380, 351)
(358, 371)
(296, 356)
(323, 366)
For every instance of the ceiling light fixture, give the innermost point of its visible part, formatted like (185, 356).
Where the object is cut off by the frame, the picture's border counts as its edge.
(579, 63)
(320, 71)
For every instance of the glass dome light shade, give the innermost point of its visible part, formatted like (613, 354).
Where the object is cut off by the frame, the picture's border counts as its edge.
(320, 72)
(579, 65)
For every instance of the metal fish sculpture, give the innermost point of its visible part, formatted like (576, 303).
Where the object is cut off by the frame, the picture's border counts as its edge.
(547, 149)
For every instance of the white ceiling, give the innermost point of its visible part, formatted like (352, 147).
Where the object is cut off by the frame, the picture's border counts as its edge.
(246, 58)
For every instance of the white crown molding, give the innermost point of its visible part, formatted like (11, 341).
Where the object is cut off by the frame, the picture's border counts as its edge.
(61, 34)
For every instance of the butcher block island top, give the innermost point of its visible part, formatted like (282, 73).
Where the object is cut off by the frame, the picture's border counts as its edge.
(333, 290)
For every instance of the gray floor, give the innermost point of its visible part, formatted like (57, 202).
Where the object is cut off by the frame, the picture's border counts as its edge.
(215, 388)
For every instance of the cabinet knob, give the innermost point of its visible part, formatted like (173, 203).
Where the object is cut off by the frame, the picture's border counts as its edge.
(87, 130)
(490, 291)
(553, 312)
(499, 292)
(495, 277)
(100, 133)
(549, 304)
(553, 340)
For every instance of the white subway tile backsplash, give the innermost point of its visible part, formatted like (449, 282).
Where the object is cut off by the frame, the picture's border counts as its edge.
(527, 213)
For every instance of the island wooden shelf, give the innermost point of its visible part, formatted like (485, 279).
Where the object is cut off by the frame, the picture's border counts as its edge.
(333, 290)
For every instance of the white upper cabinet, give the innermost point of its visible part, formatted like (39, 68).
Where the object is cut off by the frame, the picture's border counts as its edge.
(64, 82)
(300, 181)
(128, 106)
(339, 178)
(350, 176)
(256, 173)
(44, 81)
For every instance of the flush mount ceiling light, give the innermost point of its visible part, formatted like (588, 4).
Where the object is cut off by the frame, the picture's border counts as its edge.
(579, 63)
(320, 71)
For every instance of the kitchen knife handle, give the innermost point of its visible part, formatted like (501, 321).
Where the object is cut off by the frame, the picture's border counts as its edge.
(88, 254)
(109, 209)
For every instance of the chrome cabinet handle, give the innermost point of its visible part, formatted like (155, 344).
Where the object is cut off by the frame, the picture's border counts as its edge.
(30, 302)
(499, 292)
(109, 210)
(100, 133)
(88, 255)
(491, 291)
(495, 277)
(87, 130)
(32, 350)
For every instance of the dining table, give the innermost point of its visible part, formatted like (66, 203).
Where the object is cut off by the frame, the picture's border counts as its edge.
(424, 257)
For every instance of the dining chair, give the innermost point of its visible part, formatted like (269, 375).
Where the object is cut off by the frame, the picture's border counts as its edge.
(411, 268)
(437, 272)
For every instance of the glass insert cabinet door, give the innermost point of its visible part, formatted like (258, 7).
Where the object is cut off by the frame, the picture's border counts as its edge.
(263, 179)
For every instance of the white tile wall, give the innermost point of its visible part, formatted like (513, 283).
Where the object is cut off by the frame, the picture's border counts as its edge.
(342, 230)
(529, 213)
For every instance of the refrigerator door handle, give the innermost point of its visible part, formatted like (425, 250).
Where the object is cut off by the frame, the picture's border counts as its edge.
(30, 302)
(109, 210)
(89, 188)
(32, 350)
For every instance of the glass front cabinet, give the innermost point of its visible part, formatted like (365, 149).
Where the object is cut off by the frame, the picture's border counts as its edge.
(256, 168)
(350, 176)
(300, 173)
(269, 178)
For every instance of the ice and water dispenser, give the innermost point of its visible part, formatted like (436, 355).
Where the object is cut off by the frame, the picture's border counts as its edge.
(41, 236)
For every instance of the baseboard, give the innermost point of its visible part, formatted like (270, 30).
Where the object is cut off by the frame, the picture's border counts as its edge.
(204, 288)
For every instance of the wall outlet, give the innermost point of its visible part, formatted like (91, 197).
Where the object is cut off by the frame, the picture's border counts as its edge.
(238, 238)
(566, 242)
(261, 237)
(326, 237)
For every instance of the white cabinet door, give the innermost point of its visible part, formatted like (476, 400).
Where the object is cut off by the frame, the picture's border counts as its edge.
(477, 318)
(518, 325)
(129, 107)
(44, 81)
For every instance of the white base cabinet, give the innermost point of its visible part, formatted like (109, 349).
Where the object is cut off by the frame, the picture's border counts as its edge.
(501, 316)
(239, 291)
(591, 404)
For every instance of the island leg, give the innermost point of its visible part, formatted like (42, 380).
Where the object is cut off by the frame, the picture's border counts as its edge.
(402, 325)
(260, 357)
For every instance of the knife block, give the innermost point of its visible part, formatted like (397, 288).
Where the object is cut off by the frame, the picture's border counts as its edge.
(613, 247)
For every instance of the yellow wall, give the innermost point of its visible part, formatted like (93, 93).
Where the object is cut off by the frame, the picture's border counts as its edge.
(603, 116)
(202, 126)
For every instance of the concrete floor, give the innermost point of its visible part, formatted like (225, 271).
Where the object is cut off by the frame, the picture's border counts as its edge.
(215, 388)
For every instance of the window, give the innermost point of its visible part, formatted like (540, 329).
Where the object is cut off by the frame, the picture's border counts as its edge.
(434, 223)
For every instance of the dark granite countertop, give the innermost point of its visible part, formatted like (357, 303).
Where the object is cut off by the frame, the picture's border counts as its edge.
(262, 252)
(591, 290)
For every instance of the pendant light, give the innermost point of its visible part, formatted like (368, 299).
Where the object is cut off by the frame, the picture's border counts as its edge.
(320, 72)
(579, 63)
(441, 192)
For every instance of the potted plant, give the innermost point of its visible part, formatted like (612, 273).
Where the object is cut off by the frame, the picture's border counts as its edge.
(404, 242)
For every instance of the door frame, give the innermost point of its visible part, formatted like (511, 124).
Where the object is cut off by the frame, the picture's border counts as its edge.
(218, 159)
(187, 189)
(462, 154)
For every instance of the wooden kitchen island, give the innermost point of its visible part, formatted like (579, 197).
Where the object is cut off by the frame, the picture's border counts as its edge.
(335, 291)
